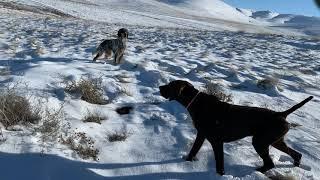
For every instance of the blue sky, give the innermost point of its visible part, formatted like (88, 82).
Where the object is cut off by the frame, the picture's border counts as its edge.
(304, 7)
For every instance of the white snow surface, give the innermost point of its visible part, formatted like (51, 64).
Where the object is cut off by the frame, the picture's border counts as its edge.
(39, 45)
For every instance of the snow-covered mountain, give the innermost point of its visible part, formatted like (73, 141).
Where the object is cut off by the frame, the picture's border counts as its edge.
(306, 24)
(46, 51)
(192, 14)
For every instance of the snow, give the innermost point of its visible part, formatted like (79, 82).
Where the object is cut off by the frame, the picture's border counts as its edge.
(167, 41)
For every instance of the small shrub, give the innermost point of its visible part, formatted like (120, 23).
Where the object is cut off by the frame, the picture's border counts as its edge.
(125, 90)
(268, 83)
(294, 125)
(89, 88)
(5, 71)
(51, 123)
(308, 72)
(2, 138)
(139, 49)
(82, 145)
(94, 116)
(265, 105)
(205, 54)
(120, 135)
(91, 91)
(122, 79)
(16, 108)
(216, 90)
(282, 177)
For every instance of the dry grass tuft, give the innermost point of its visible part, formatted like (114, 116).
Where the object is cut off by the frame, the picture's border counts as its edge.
(89, 88)
(5, 71)
(82, 145)
(120, 135)
(126, 90)
(268, 83)
(51, 123)
(282, 177)
(94, 116)
(216, 90)
(16, 108)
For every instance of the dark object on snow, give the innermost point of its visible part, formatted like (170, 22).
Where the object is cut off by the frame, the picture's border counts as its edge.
(221, 122)
(124, 110)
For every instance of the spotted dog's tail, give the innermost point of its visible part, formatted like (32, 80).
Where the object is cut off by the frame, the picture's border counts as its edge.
(98, 49)
(295, 107)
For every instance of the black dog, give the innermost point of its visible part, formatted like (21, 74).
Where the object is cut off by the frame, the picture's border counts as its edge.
(220, 122)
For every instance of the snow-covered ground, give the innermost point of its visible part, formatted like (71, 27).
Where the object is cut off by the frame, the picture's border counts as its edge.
(40, 48)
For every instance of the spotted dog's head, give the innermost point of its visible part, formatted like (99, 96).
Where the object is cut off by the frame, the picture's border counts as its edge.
(123, 33)
(175, 89)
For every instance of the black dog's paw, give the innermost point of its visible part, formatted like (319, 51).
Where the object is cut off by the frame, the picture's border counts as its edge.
(187, 158)
(297, 160)
(264, 169)
(220, 172)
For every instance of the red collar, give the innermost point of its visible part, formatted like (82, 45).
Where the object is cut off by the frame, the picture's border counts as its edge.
(194, 98)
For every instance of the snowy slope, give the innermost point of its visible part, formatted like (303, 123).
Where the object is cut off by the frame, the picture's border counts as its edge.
(212, 8)
(213, 15)
(39, 47)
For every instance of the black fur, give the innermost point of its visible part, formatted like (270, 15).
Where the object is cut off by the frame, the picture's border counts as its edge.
(123, 32)
(221, 122)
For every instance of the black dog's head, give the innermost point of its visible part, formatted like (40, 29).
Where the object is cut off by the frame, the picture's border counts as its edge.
(175, 89)
(123, 33)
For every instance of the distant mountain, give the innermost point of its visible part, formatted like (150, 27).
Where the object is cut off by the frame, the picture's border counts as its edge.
(309, 25)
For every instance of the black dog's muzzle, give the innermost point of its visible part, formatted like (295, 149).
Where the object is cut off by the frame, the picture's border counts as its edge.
(164, 91)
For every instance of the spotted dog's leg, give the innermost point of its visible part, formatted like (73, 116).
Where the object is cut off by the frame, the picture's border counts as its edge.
(121, 53)
(97, 56)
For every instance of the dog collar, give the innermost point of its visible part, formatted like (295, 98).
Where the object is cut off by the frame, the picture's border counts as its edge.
(194, 98)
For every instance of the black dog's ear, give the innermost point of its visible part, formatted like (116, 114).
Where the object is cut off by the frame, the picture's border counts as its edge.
(185, 87)
(181, 89)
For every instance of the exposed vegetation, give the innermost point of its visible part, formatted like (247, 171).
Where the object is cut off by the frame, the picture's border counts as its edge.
(82, 145)
(216, 90)
(15, 108)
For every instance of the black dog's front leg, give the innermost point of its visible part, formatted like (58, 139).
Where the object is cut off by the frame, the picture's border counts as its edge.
(217, 147)
(196, 147)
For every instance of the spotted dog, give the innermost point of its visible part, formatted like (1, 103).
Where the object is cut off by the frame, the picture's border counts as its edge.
(116, 47)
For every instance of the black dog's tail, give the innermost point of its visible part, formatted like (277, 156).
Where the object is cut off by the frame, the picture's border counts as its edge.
(295, 107)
